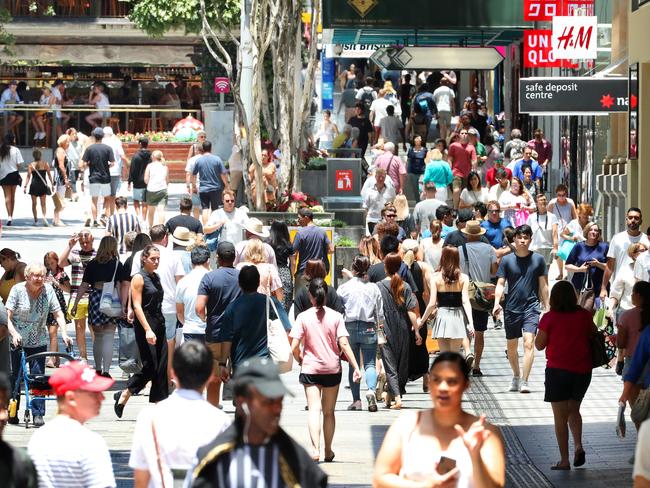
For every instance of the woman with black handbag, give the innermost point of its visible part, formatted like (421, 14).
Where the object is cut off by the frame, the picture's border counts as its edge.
(587, 261)
(565, 332)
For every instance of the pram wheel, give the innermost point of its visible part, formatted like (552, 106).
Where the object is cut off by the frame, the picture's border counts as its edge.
(27, 418)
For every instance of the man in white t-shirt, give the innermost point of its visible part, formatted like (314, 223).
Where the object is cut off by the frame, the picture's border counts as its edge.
(545, 230)
(187, 290)
(228, 218)
(170, 270)
(79, 457)
(642, 267)
(110, 139)
(444, 98)
(181, 424)
(617, 255)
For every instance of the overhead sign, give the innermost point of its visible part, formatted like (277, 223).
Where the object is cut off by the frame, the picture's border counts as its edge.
(538, 49)
(545, 10)
(573, 96)
(395, 58)
(575, 37)
(356, 51)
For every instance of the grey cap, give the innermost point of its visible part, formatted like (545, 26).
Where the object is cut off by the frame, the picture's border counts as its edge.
(98, 132)
(465, 215)
(263, 374)
(226, 251)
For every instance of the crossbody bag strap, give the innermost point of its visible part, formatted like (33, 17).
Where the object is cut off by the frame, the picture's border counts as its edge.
(34, 170)
(158, 456)
(469, 273)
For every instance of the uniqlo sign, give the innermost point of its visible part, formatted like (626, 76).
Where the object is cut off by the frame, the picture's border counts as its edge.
(545, 10)
(538, 49)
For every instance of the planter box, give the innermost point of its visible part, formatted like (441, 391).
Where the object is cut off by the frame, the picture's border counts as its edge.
(353, 232)
(268, 217)
(175, 156)
(313, 183)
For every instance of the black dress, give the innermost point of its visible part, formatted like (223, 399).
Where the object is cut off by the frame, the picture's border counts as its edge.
(153, 357)
(418, 355)
(37, 187)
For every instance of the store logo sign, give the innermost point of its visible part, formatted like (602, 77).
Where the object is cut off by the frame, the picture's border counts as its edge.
(575, 37)
(362, 7)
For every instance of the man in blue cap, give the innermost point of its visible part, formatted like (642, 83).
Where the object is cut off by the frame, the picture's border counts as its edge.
(254, 450)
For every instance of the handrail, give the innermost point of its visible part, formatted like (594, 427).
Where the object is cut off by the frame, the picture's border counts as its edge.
(32, 107)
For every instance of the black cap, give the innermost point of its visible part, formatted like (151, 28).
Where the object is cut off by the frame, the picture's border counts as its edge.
(226, 251)
(465, 215)
(98, 132)
(263, 374)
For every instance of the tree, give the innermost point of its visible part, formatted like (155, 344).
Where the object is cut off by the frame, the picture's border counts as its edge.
(275, 27)
(6, 39)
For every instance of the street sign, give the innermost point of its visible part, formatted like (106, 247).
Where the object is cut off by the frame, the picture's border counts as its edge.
(479, 58)
(573, 96)
(575, 37)
(221, 85)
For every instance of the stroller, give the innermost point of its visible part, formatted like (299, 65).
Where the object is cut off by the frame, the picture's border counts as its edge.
(36, 385)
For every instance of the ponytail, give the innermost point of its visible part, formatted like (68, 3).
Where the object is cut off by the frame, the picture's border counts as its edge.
(7, 142)
(318, 291)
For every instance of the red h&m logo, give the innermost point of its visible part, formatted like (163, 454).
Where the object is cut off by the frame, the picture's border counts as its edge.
(343, 179)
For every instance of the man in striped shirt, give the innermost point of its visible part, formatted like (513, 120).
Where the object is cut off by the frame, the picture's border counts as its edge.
(122, 222)
(254, 450)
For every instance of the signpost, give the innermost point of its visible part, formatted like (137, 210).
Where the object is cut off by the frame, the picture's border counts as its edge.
(573, 96)
(395, 58)
(221, 86)
(327, 94)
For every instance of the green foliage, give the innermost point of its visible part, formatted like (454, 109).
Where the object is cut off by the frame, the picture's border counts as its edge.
(316, 164)
(343, 241)
(155, 17)
(6, 39)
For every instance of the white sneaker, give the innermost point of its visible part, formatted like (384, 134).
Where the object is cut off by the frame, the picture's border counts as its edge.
(523, 388)
(514, 385)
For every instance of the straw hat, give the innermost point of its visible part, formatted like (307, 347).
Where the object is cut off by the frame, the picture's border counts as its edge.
(473, 228)
(402, 206)
(255, 226)
(182, 236)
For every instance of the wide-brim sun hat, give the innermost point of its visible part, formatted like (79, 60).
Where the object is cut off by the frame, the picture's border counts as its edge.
(256, 227)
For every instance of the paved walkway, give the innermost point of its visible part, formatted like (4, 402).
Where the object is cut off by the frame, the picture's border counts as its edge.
(526, 421)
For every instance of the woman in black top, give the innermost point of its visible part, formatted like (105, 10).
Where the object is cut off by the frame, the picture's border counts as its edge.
(147, 296)
(285, 258)
(103, 268)
(139, 243)
(139, 163)
(315, 269)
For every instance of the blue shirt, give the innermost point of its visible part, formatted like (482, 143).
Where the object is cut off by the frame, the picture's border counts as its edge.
(221, 286)
(7, 97)
(439, 172)
(244, 325)
(311, 242)
(640, 360)
(522, 275)
(209, 168)
(579, 255)
(494, 232)
(535, 167)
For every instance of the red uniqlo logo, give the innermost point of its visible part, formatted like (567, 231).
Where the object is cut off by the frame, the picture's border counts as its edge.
(343, 180)
(545, 10)
(538, 50)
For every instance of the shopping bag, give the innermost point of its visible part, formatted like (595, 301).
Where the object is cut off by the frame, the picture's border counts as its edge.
(277, 340)
(565, 250)
(521, 217)
(129, 356)
(109, 300)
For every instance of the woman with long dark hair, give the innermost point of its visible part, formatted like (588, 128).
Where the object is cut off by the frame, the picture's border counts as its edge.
(313, 270)
(323, 335)
(474, 192)
(147, 297)
(10, 179)
(565, 333)
(400, 314)
(449, 304)
(285, 257)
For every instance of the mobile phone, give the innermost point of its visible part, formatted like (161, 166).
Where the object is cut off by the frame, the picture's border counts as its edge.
(446, 464)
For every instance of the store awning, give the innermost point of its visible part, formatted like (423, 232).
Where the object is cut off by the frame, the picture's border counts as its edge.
(93, 55)
(426, 37)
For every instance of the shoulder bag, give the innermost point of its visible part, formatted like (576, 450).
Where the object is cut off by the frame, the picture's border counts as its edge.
(587, 296)
(129, 355)
(109, 301)
(277, 340)
(481, 294)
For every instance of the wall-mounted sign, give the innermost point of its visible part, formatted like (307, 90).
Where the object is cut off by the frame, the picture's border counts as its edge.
(633, 113)
(575, 37)
(327, 88)
(545, 10)
(356, 51)
(573, 96)
(538, 49)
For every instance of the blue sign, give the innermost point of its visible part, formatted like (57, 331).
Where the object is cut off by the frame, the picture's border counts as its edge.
(327, 92)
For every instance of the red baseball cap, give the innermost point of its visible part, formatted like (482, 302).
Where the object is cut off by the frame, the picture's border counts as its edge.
(77, 375)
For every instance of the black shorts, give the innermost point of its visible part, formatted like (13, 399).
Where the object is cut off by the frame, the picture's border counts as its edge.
(210, 199)
(517, 323)
(324, 380)
(12, 179)
(480, 320)
(562, 385)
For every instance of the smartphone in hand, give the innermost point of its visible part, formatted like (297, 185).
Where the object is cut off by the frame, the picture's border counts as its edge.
(445, 465)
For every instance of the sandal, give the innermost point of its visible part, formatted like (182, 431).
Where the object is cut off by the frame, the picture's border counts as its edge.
(579, 459)
(330, 458)
(559, 467)
(397, 406)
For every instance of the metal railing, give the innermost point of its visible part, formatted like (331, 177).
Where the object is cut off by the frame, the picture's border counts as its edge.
(150, 116)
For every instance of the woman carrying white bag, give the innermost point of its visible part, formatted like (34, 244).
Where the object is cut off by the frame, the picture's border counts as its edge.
(324, 337)
(106, 278)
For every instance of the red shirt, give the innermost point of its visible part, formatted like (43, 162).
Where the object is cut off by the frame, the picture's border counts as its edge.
(491, 175)
(462, 156)
(567, 346)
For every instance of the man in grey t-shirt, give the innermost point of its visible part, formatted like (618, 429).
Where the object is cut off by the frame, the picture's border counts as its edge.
(478, 260)
(425, 210)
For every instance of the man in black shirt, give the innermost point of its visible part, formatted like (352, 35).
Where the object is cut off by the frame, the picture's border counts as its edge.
(98, 158)
(139, 163)
(184, 219)
(361, 122)
(458, 238)
(377, 272)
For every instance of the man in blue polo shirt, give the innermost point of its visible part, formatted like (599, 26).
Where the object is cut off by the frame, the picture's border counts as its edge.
(213, 178)
(495, 225)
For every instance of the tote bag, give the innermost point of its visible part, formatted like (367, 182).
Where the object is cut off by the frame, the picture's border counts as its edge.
(565, 250)
(129, 356)
(109, 301)
(277, 340)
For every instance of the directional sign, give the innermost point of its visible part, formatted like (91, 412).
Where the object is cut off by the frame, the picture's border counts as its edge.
(573, 96)
(437, 58)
